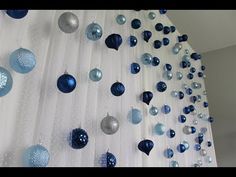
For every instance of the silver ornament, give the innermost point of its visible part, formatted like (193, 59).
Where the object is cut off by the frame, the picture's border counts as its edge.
(178, 45)
(175, 50)
(94, 31)
(179, 75)
(208, 159)
(152, 15)
(200, 115)
(68, 22)
(196, 85)
(95, 74)
(186, 144)
(200, 162)
(146, 58)
(186, 58)
(174, 163)
(185, 86)
(167, 75)
(203, 152)
(186, 51)
(109, 125)
(6, 81)
(187, 130)
(120, 19)
(199, 98)
(153, 111)
(195, 122)
(174, 93)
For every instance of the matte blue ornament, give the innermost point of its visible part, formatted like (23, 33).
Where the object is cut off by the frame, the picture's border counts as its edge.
(159, 129)
(135, 23)
(162, 11)
(200, 74)
(181, 148)
(133, 41)
(191, 108)
(146, 97)
(203, 68)
(186, 144)
(209, 143)
(113, 41)
(161, 86)
(172, 29)
(166, 109)
(22, 60)
(183, 64)
(151, 15)
(135, 116)
(171, 133)
(186, 110)
(167, 75)
(157, 44)
(111, 160)
(192, 70)
(179, 75)
(5, 81)
(190, 76)
(146, 146)
(94, 31)
(146, 59)
(193, 129)
(210, 119)
(36, 156)
(189, 91)
(159, 27)
(117, 89)
(147, 35)
(17, 14)
(168, 153)
(120, 19)
(182, 119)
(155, 61)
(167, 67)
(153, 111)
(78, 138)
(166, 30)
(181, 95)
(165, 41)
(95, 74)
(205, 104)
(135, 68)
(66, 83)
(197, 147)
(193, 99)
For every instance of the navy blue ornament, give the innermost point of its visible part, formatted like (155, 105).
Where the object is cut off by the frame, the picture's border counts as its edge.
(147, 35)
(146, 97)
(162, 11)
(181, 148)
(197, 147)
(157, 44)
(201, 135)
(113, 41)
(172, 29)
(181, 95)
(159, 27)
(190, 76)
(165, 41)
(66, 83)
(189, 91)
(193, 99)
(199, 140)
(193, 130)
(171, 133)
(191, 108)
(186, 110)
(188, 64)
(17, 14)
(203, 68)
(183, 64)
(135, 68)
(205, 104)
(78, 138)
(167, 67)
(209, 143)
(111, 160)
(133, 41)
(135, 23)
(161, 86)
(146, 146)
(117, 89)
(182, 119)
(183, 38)
(195, 56)
(200, 74)
(166, 109)
(166, 30)
(210, 119)
(168, 153)
(192, 70)
(155, 61)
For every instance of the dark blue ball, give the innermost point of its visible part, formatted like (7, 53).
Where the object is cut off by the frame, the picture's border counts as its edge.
(162, 11)
(157, 44)
(171, 133)
(181, 148)
(66, 83)
(111, 160)
(193, 99)
(191, 107)
(194, 56)
(17, 14)
(168, 153)
(166, 109)
(133, 41)
(197, 147)
(155, 61)
(199, 57)
(199, 140)
(200, 135)
(166, 30)
(172, 29)
(136, 23)
(168, 67)
(117, 89)
(181, 95)
(203, 68)
(209, 143)
(193, 130)
(135, 68)
(161, 86)
(159, 27)
(147, 35)
(182, 119)
(183, 64)
(146, 97)
(180, 38)
(192, 70)
(79, 138)
(186, 110)
(190, 76)
(185, 37)
(165, 41)
(188, 64)
(189, 91)
(205, 104)
(200, 74)
(210, 119)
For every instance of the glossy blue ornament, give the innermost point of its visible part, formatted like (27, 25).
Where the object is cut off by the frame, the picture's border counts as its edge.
(186, 110)
(182, 119)
(183, 64)
(120, 19)
(203, 68)
(186, 144)
(17, 14)
(167, 75)
(181, 95)
(179, 75)
(190, 76)
(193, 129)
(153, 111)
(181, 148)
(95, 74)
(171, 133)
(193, 99)
(147, 35)
(146, 59)
(188, 64)
(162, 11)
(192, 70)
(167, 67)
(135, 23)
(172, 29)
(166, 30)
(155, 61)
(36, 156)
(113, 41)
(146, 97)
(157, 44)
(133, 41)
(135, 68)
(168, 153)
(191, 108)
(166, 109)
(195, 56)
(200, 74)
(22, 60)
(199, 140)
(205, 104)
(94, 31)
(210, 119)
(78, 138)
(117, 89)
(161, 86)
(209, 143)
(66, 83)
(151, 15)
(146, 146)
(5, 81)
(135, 116)
(159, 27)
(197, 147)
(159, 129)
(189, 91)
(165, 41)
(111, 160)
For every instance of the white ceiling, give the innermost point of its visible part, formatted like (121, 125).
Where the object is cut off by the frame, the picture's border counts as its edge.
(207, 29)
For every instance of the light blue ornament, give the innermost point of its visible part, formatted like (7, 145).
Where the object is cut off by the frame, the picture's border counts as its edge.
(160, 129)
(95, 74)
(174, 163)
(36, 156)
(5, 81)
(22, 60)
(167, 75)
(179, 75)
(135, 116)
(146, 59)
(186, 144)
(153, 111)
(94, 31)
(120, 19)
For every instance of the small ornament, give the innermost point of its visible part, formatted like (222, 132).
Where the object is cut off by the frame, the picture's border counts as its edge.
(159, 27)
(168, 75)
(94, 31)
(146, 97)
(78, 138)
(186, 144)
(153, 111)
(192, 108)
(172, 29)
(133, 41)
(183, 64)
(160, 129)
(175, 94)
(166, 30)
(174, 163)
(181, 95)
(181, 148)
(209, 143)
(157, 44)
(151, 15)
(190, 76)
(186, 58)
(186, 110)
(197, 147)
(187, 130)
(120, 19)
(166, 109)
(177, 47)
(196, 85)
(196, 165)
(168, 153)
(161, 86)
(135, 23)
(68, 22)
(146, 59)
(135, 68)
(182, 119)
(210, 119)
(95, 74)
(113, 41)
(205, 104)
(200, 162)
(203, 68)
(179, 75)
(193, 99)
(162, 11)
(203, 152)
(189, 91)
(147, 35)
(171, 133)
(195, 122)
(167, 67)
(135, 116)
(5, 81)
(146, 146)
(208, 159)
(117, 89)
(165, 41)
(17, 14)
(200, 74)
(203, 130)
(111, 160)
(199, 98)
(155, 61)
(66, 83)
(193, 129)
(109, 125)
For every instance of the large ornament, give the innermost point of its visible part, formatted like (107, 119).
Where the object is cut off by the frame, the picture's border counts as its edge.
(168, 153)
(94, 31)
(22, 60)
(161, 86)
(68, 22)
(153, 111)
(109, 125)
(78, 138)
(135, 68)
(146, 146)
(113, 41)
(120, 19)
(159, 129)
(146, 97)
(151, 15)
(146, 59)
(17, 14)
(133, 41)
(36, 156)
(147, 35)
(5, 81)
(66, 83)
(135, 23)
(95, 74)
(117, 89)
(135, 116)
(159, 27)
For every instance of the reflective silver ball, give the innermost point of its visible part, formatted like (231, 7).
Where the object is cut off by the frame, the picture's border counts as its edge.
(203, 152)
(120, 19)
(174, 93)
(109, 125)
(195, 122)
(167, 75)
(151, 15)
(187, 130)
(95, 74)
(178, 45)
(153, 111)
(68, 22)
(200, 115)
(176, 50)
(179, 75)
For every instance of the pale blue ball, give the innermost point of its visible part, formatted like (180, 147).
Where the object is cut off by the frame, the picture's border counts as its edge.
(5, 81)
(22, 60)
(94, 31)
(135, 116)
(146, 59)
(153, 111)
(120, 19)
(186, 144)
(36, 156)
(160, 129)
(95, 74)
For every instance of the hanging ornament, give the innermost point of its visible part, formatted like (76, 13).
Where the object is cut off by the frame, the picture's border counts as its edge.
(192, 70)
(172, 29)
(155, 61)
(22, 60)
(78, 138)
(17, 14)
(159, 129)
(157, 44)
(167, 67)
(186, 144)
(197, 147)
(205, 104)
(94, 31)
(135, 68)
(177, 47)
(95, 74)
(147, 35)
(113, 41)
(133, 41)
(161, 86)
(146, 58)
(162, 11)
(68, 22)
(186, 110)
(165, 41)
(166, 30)
(168, 153)
(171, 133)
(110, 159)
(181, 148)
(117, 89)
(135, 23)
(120, 19)
(66, 83)
(146, 97)
(168, 75)
(182, 119)
(151, 15)
(166, 109)
(209, 143)
(159, 27)
(36, 156)
(5, 81)
(146, 146)
(109, 125)
(153, 111)
(179, 75)
(174, 163)
(135, 116)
